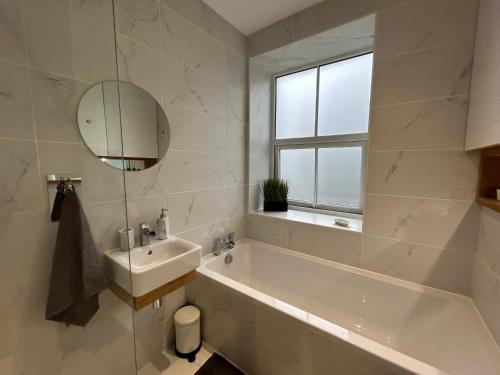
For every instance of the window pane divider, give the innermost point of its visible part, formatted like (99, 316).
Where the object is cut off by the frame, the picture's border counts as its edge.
(358, 137)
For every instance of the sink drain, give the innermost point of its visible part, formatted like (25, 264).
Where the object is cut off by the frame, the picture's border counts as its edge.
(150, 252)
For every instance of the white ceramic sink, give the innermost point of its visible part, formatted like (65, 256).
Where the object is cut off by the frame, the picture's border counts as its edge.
(153, 265)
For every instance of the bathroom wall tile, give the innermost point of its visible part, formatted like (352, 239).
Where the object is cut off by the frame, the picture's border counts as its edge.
(260, 94)
(105, 220)
(201, 15)
(15, 102)
(89, 351)
(433, 174)
(19, 180)
(260, 110)
(193, 131)
(439, 268)
(100, 182)
(26, 254)
(236, 172)
(387, 4)
(488, 244)
(237, 225)
(11, 31)
(432, 73)
(269, 230)
(442, 223)
(320, 17)
(205, 235)
(485, 291)
(27, 338)
(259, 138)
(236, 70)
(188, 88)
(63, 42)
(149, 322)
(192, 209)
(98, 10)
(187, 171)
(188, 44)
(236, 122)
(255, 198)
(424, 24)
(132, 58)
(150, 181)
(430, 124)
(331, 244)
(236, 198)
(145, 210)
(259, 168)
(55, 100)
(139, 20)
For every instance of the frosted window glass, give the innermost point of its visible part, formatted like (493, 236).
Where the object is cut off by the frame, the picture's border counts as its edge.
(339, 176)
(296, 105)
(297, 167)
(344, 96)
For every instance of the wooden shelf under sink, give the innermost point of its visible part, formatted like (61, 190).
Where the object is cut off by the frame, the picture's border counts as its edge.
(138, 303)
(489, 179)
(490, 203)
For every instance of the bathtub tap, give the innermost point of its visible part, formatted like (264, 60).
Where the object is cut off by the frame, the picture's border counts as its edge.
(223, 244)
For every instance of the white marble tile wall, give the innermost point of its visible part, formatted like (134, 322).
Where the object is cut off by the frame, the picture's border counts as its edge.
(420, 221)
(260, 120)
(337, 244)
(485, 288)
(323, 16)
(49, 56)
(199, 77)
(51, 52)
(483, 130)
(420, 217)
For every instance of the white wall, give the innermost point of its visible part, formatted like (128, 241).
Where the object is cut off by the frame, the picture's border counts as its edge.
(483, 126)
(420, 220)
(193, 63)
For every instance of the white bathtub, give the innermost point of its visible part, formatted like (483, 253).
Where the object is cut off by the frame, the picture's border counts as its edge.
(419, 329)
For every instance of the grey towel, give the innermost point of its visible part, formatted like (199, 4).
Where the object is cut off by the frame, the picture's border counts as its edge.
(78, 274)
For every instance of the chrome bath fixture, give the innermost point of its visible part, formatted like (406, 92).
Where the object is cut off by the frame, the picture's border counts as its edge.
(223, 244)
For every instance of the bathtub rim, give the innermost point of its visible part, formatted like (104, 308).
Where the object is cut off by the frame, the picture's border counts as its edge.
(354, 340)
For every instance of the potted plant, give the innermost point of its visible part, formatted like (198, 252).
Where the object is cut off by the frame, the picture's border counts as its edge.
(275, 194)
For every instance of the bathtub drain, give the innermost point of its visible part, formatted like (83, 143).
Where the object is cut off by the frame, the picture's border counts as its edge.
(228, 259)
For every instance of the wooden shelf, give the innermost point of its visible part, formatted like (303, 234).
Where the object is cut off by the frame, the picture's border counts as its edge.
(490, 203)
(489, 179)
(138, 303)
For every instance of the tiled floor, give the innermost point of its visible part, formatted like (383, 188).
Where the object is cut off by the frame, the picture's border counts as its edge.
(177, 365)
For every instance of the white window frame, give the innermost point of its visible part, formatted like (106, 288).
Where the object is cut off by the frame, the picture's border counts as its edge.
(315, 142)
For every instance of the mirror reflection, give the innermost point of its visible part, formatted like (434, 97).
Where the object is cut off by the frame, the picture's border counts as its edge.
(144, 135)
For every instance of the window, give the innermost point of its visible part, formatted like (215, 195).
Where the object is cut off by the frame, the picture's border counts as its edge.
(320, 133)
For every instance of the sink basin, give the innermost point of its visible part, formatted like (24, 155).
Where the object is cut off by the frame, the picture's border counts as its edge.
(152, 266)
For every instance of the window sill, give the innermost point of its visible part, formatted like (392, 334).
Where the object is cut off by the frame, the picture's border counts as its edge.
(314, 218)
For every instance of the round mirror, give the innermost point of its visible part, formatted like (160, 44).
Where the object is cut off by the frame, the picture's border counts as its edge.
(131, 133)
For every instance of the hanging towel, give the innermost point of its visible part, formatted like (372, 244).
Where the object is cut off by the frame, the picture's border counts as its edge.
(56, 208)
(78, 274)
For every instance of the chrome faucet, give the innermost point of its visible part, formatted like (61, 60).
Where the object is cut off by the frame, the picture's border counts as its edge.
(144, 236)
(223, 244)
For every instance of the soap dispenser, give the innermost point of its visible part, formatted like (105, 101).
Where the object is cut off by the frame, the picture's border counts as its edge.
(162, 225)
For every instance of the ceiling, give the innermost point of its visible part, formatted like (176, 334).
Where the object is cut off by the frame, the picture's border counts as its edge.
(254, 15)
